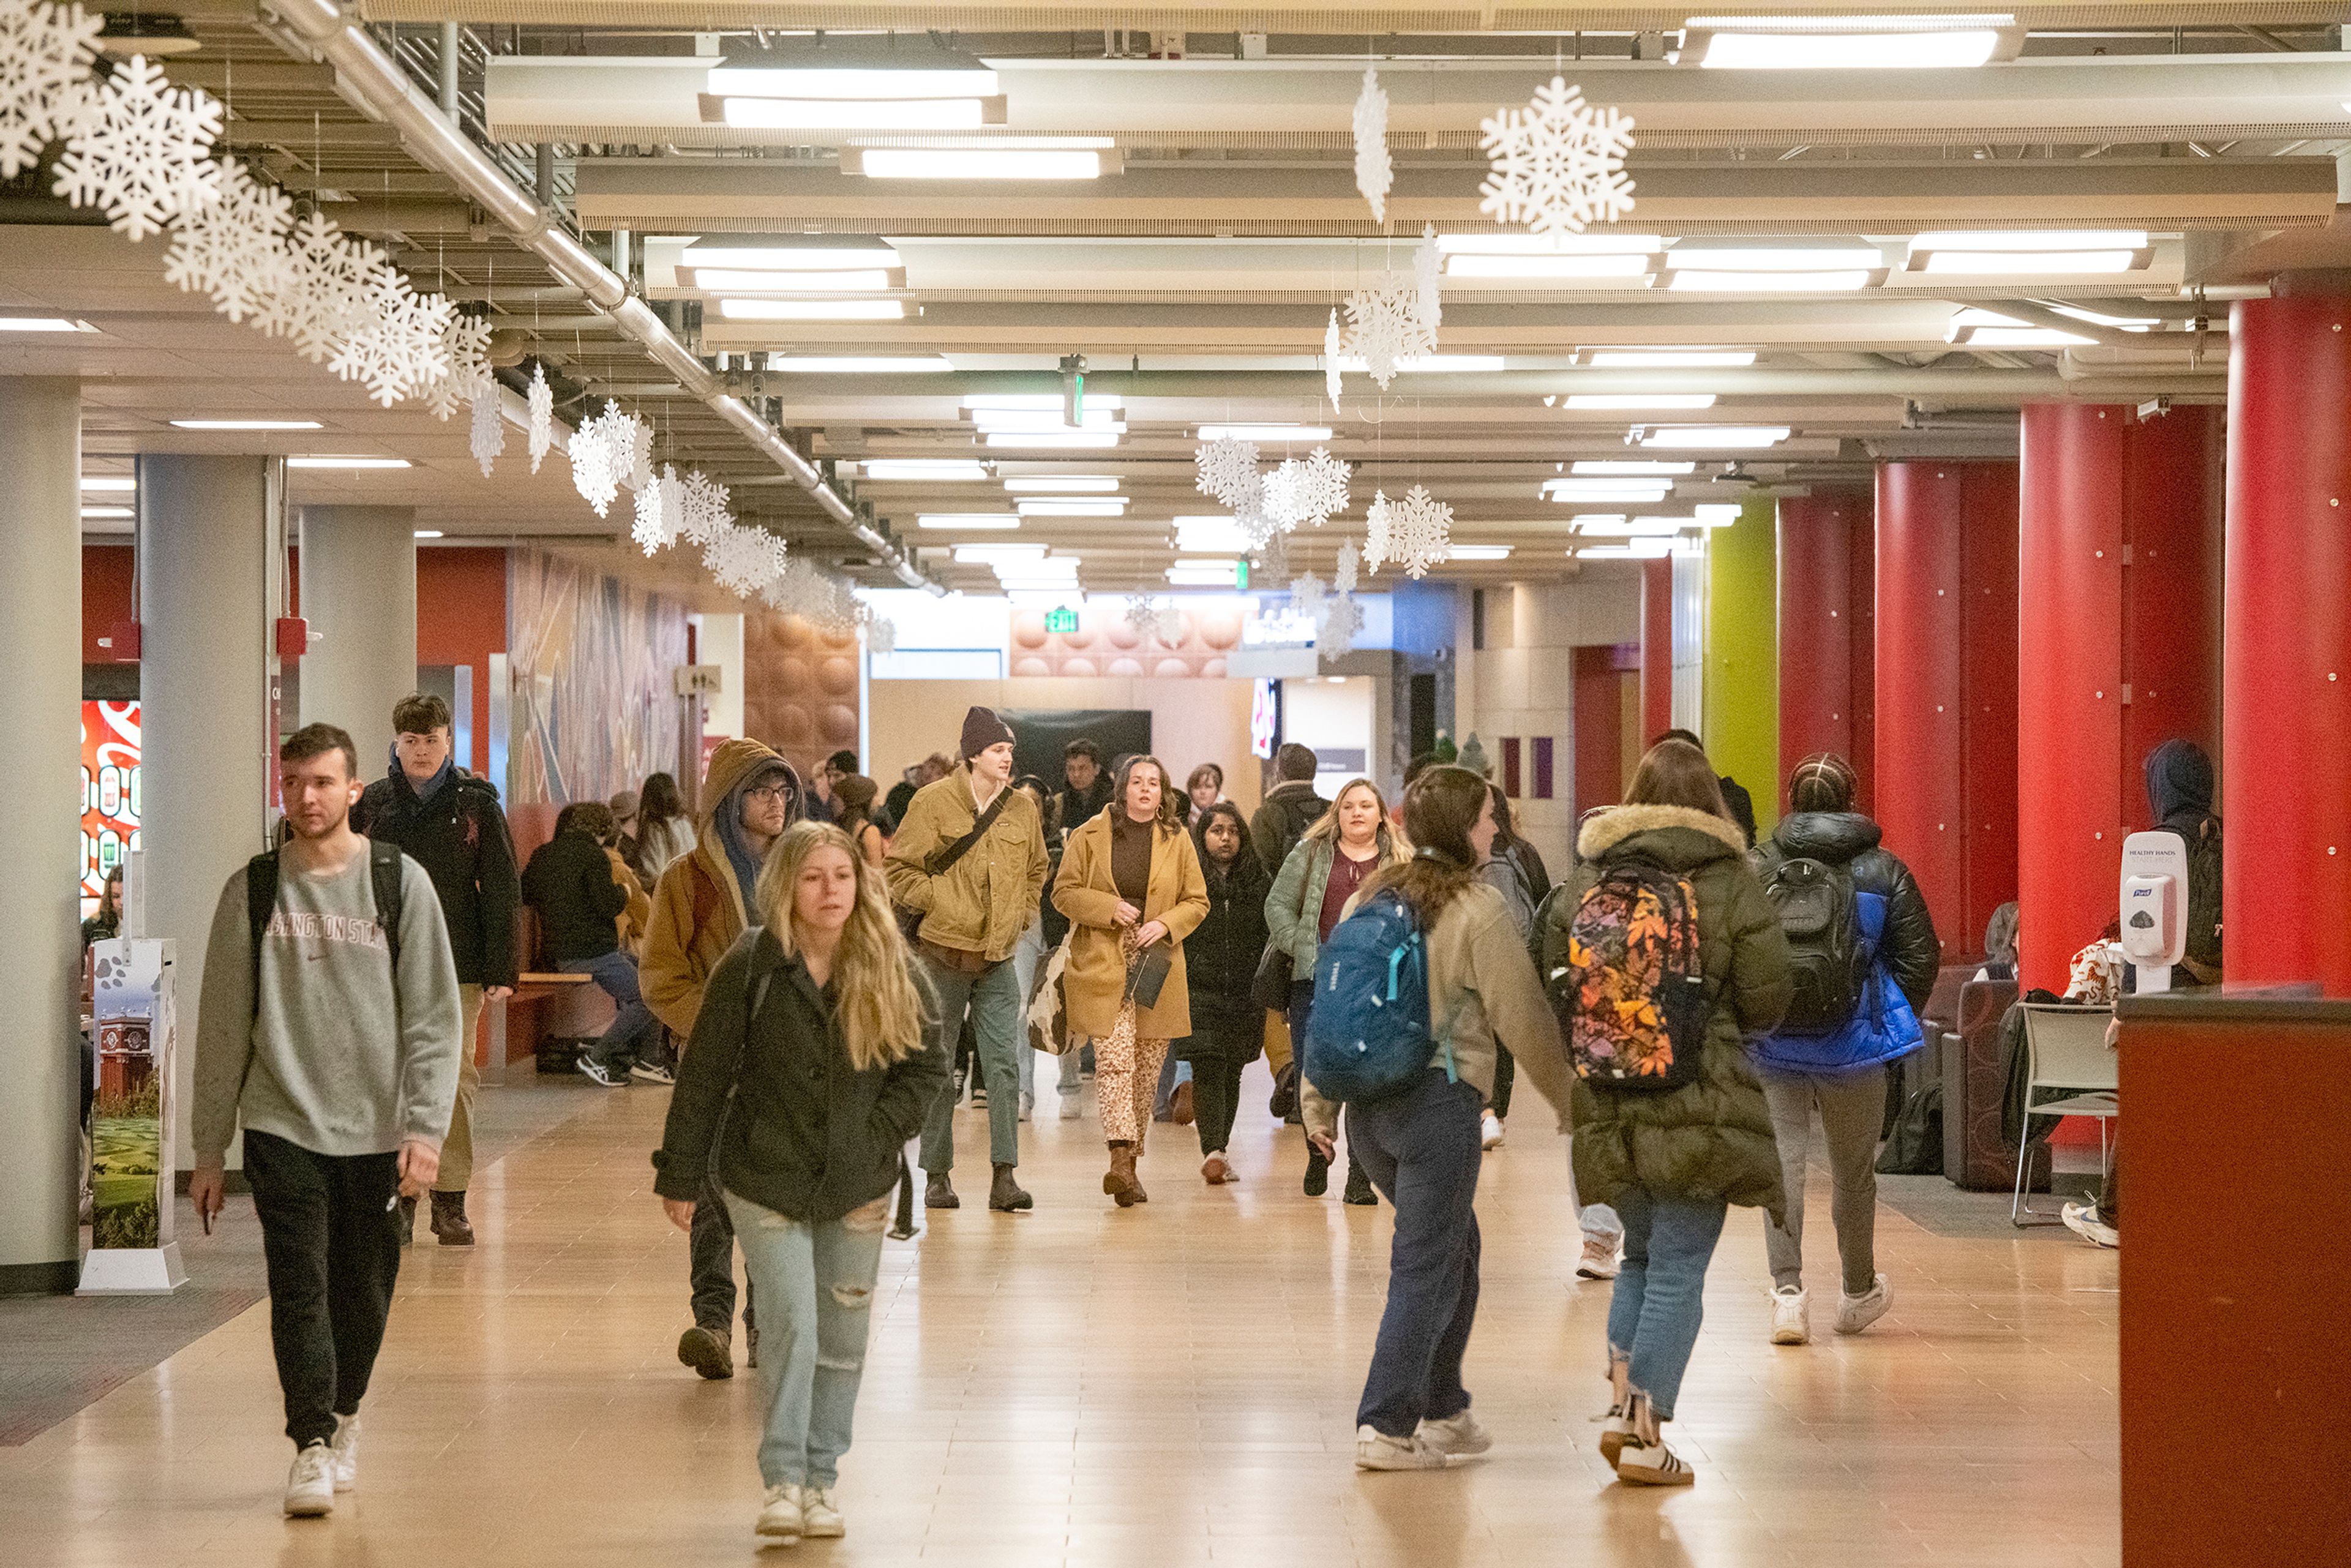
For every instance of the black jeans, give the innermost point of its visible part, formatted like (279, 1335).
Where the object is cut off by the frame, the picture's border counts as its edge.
(1506, 1073)
(1422, 1151)
(330, 1238)
(1216, 1098)
(710, 1248)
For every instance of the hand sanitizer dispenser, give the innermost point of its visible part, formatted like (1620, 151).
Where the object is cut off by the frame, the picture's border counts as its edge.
(2154, 907)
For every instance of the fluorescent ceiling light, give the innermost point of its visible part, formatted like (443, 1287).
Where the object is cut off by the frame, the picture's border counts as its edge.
(1717, 514)
(1982, 263)
(1090, 483)
(966, 554)
(1639, 400)
(1264, 433)
(1607, 488)
(939, 468)
(1047, 438)
(967, 520)
(955, 80)
(727, 279)
(1769, 282)
(1210, 536)
(347, 462)
(812, 310)
(246, 424)
(106, 512)
(1043, 419)
(1976, 327)
(974, 164)
(1622, 467)
(1619, 528)
(1716, 435)
(1098, 506)
(1548, 244)
(2030, 239)
(852, 365)
(1670, 358)
(1537, 265)
(1480, 552)
(1204, 573)
(1848, 43)
(112, 481)
(1631, 550)
(855, 114)
(43, 324)
(1049, 401)
(791, 257)
(2100, 318)
(429, 534)
(1428, 364)
(1774, 259)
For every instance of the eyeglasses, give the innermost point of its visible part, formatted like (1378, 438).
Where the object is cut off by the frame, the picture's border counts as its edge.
(769, 793)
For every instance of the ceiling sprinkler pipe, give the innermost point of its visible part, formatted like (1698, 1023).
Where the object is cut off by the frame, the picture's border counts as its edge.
(373, 83)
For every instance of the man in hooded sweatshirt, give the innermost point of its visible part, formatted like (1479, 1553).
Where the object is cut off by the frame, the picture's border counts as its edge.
(703, 902)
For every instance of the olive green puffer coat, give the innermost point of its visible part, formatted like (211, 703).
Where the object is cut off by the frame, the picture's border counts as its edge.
(1711, 1138)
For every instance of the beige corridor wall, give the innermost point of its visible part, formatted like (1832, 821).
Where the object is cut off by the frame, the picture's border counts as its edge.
(1192, 720)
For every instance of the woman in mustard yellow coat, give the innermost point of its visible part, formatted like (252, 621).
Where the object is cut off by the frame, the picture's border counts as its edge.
(1130, 882)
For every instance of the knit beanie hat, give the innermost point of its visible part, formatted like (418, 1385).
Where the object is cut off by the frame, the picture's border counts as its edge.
(982, 729)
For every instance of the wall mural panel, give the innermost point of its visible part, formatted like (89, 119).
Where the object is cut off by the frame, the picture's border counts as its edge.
(800, 686)
(593, 710)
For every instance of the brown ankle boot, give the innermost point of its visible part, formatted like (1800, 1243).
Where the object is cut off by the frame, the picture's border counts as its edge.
(449, 1221)
(1119, 1182)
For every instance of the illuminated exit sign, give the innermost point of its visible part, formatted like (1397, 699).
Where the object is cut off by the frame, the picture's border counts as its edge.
(1060, 619)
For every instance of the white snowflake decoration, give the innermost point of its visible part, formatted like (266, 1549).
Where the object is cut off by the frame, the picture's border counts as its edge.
(1228, 471)
(397, 346)
(1384, 324)
(1331, 355)
(1343, 575)
(1335, 635)
(602, 451)
(1375, 173)
(542, 416)
(1326, 486)
(489, 433)
(1415, 533)
(325, 295)
(1427, 267)
(1558, 163)
(465, 345)
(1305, 490)
(44, 58)
(743, 560)
(1143, 617)
(1379, 519)
(235, 248)
(141, 151)
(702, 510)
(1307, 593)
(1273, 559)
(658, 505)
(881, 631)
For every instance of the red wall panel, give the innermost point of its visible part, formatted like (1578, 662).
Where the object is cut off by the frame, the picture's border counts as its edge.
(107, 572)
(1988, 581)
(1657, 649)
(461, 619)
(1599, 729)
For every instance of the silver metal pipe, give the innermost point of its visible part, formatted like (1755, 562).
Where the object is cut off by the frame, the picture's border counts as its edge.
(449, 70)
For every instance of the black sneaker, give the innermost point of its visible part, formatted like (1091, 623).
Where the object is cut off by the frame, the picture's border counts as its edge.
(1318, 1172)
(1358, 1188)
(596, 1071)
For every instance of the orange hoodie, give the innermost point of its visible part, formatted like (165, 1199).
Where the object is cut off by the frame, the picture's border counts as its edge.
(697, 905)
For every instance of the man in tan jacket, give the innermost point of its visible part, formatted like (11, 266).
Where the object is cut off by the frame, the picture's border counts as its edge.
(976, 899)
(703, 902)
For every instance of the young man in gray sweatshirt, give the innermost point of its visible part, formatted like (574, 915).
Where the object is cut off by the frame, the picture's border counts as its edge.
(335, 1045)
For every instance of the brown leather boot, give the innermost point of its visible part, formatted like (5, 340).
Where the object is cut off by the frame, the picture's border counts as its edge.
(449, 1221)
(1119, 1182)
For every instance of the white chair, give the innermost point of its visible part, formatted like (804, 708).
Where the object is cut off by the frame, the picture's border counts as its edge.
(2065, 1049)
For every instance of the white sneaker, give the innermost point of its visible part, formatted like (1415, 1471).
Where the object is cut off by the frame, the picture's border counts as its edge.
(1457, 1436)
(1072, 1108)
(1652, 1465)
(1615, 1431)
(2082, 1219)
(1855, 1313)
(346, 1451)
(310, 1484)
(780, 1519)
(1376, 1451)
(1490, 1131)
(820, 1515)
(1599, 1260)
(1027, 1106)
(1791, 1320)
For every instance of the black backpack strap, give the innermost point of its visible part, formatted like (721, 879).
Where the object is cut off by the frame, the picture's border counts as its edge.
(384, 875)
(261, 903)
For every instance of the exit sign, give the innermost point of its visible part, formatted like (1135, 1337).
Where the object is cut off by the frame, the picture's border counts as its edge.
(1240, 574)
(1060, 619)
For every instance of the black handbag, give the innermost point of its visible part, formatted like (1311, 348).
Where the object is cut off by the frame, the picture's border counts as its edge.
(1275, 971)
(1148, 974)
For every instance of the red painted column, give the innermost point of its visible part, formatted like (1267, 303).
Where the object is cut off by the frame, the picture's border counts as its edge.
(1860, 650)
(2171, 591)
(1657, 649)
(1921, 801)
(1815, 628)
(2285, 747)
(1988, 571)
(1599, 729)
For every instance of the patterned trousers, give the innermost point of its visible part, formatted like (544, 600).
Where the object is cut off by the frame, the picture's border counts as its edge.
(1126, 1077)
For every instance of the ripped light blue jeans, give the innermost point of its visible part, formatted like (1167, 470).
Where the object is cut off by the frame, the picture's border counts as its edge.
(814, 1282)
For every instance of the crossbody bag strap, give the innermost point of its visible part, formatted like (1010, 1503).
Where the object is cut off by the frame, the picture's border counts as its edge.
(940, 861)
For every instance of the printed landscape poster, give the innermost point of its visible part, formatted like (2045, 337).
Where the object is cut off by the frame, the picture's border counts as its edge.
(132, 1008)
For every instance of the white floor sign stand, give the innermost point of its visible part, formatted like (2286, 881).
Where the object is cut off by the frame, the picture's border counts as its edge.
(134, 1190)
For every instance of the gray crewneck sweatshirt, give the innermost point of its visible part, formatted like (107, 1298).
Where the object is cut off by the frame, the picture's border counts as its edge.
(337, 1055)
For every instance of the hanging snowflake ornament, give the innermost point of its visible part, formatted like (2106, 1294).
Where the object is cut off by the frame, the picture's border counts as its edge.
(743, 560)
(329, 281)
(1272, 561)
(1375, 173)
(1331, 351)
(1307, 593)
(1228, 471)
(542, 416)
(1418, 533)
(234, 249)
(1143, 617)
(1325, 485)
(141, 151)
(1427, 266)
(702, 509)
(489, 433)
(1557, 163)
(397, 345)
(1384, 324)
(45, 71)
(1343, 575)
(881, 631)
(1335, 635)
(596, 458)
(465, 345)
(1379, 520)
(656, 528)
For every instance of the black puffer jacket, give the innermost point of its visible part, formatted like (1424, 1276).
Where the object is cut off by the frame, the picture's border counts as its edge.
(806, 1134)
(1220, 959)
(1911, 951)
(460, 837)
(570, 882)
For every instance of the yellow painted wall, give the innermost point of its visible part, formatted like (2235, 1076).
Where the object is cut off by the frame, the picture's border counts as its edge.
(1743, 654)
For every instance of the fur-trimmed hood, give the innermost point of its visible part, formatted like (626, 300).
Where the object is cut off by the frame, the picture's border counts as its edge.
(1687, 837)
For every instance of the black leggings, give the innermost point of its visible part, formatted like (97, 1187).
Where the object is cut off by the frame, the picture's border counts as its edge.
(1216, 1098)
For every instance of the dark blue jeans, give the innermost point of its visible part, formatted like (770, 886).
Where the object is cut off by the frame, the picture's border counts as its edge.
(635, 1034)
(1422, 1151)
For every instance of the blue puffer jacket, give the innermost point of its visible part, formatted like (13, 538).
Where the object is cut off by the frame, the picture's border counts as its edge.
(1894, 923)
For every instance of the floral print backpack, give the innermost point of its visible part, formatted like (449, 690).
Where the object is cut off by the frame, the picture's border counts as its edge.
(1630, 992)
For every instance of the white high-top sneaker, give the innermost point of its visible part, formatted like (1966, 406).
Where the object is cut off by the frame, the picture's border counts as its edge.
(821, 1515)
(781, 1519)
(346, 1451)
(1792, 1321)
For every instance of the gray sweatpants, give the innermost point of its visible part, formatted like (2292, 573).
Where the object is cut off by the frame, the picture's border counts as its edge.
(1853, 1108)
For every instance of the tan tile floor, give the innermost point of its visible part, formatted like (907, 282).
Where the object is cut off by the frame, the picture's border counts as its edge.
(1168, 1387)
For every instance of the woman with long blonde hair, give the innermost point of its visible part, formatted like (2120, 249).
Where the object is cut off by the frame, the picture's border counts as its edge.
(809, 1068)
(1339, 854)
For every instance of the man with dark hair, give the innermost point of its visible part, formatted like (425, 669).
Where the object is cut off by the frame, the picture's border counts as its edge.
(1289, 808)
(1088, 788)
(327, 1027)
(449, 822)
(1735, 798)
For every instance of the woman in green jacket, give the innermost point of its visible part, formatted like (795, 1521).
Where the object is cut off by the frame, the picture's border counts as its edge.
(1672, 1161)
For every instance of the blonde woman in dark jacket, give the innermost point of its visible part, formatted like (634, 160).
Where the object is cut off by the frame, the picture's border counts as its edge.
(809, 1070)
(1672, 1161)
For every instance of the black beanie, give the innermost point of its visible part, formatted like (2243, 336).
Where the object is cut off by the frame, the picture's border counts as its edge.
(982, 729)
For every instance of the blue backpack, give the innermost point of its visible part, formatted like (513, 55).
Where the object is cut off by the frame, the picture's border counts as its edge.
(1369, 1036)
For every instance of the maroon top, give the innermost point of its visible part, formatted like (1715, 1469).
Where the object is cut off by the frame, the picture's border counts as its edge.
(1346, 875)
